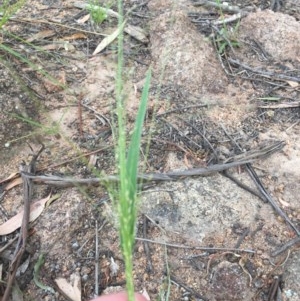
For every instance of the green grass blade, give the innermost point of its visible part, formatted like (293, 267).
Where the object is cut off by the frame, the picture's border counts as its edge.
(30, 64)
(135, 142)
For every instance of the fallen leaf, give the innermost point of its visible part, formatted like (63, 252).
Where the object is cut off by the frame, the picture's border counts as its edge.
(58, 45)
(75, 36)
(283, 203)
(16, 293)
(137, 32)
(11, 176)
(93, 161)
(23, 267)
(71, 290)
(83, 19)
(107, 40)
(145, 294)
(15, 222)
(13, 183)
(41, 35)
(292, 83)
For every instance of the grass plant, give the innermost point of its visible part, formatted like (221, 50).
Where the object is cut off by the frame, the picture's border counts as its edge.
(127, 190)
(8, 9)
(226, 36)
(98, 14)
(128, 162)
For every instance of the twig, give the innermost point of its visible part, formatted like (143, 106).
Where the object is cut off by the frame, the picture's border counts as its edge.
(80, 117)
(262, 189)
(169, 176)
(187, 288)
(157, 177)
(282, 263)
(30, 21)
(267, 74)
(96, 261)
(294, 124)
(131, 10)
(195, 247)
(214, 4)
(98, 115)
(149, 267)
(182, 109)
(155, 224)
(180, 133)
(21, 245)
(242, 237)
(287, 245)
(75, 158)
(294, 104)
(202, 135)
(242, 185)
(8, 244)
(274, 289)
(186, 151)
(230, 19)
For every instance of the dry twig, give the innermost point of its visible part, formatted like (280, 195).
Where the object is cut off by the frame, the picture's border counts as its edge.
(159, 177)
(25, 171)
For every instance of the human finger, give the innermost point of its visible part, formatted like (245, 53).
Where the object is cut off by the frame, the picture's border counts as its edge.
(119, 297)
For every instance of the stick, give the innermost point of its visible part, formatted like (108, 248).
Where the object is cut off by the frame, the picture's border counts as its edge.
(245, 158)
(21, 245)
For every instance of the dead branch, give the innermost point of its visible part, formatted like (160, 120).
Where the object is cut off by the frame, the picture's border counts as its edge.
(267, 74)
(242, 159)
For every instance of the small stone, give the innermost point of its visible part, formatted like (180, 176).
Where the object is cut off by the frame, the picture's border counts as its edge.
(75, 245)
(85, 277)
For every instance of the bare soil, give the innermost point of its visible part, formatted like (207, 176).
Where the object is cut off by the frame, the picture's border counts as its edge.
(206, 237)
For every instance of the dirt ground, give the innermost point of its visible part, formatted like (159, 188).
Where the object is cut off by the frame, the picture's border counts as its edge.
(217, 91)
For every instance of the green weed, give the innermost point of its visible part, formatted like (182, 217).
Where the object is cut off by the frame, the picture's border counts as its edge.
(226, 36)
(125, 196)
(97, 13)
(7, 9)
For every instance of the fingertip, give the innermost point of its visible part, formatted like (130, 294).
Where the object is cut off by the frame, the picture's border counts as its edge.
(119, 297)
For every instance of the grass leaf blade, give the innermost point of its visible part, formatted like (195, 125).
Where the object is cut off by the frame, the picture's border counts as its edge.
(134, 147)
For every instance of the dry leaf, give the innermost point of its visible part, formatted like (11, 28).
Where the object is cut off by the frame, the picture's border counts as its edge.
(72, 290)
(145, 294)
(59, 45)
(92, 161)
(15, 222)
(136, 32)
(83, 19)
(107, 40)
(283, 203)
(114, 268)
(11, 176)
(292, 83)
(13, 183)
(41, 35)
(75, 36)
(16, 293)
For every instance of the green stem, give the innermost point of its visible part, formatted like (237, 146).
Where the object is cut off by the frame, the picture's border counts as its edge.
(124, 211)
